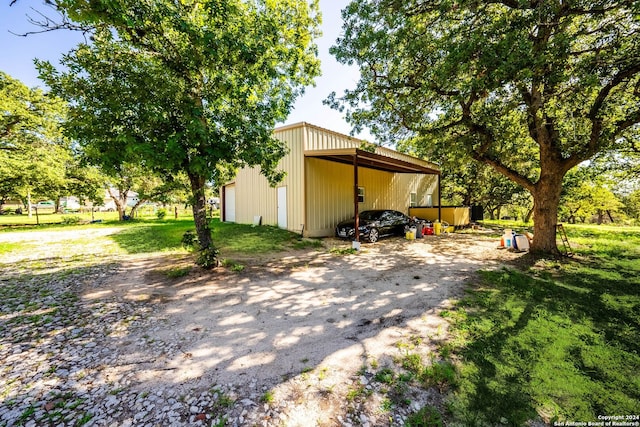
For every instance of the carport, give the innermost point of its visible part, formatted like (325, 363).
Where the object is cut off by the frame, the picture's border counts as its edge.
(366, 159)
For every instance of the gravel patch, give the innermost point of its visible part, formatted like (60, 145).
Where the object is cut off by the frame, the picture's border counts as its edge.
(292, 341)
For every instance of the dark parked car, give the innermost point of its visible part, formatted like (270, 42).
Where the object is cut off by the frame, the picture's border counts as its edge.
(375, 224)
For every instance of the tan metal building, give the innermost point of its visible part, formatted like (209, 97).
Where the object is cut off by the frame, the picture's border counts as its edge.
(330, 177)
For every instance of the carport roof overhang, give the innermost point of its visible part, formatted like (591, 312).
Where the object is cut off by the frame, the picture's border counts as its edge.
(370, 160)
(361, 158)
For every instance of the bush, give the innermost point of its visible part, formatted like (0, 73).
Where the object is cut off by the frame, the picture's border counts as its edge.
(161, 213)
(189, 239)
(208, 258)
(71, 220)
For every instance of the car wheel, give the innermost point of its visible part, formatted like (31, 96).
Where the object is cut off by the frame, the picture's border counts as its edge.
(374, 235)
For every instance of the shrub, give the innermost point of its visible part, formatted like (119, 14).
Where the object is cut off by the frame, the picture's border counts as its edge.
(161, 213)
(189, 239)
(71, 220)
(208, 258)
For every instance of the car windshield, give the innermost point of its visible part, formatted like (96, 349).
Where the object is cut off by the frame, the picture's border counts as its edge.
(371, 214)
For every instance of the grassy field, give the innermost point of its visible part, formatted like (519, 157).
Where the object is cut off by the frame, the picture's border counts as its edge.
(150, 235)
(48, 216)
(231, 239)
(558, 339)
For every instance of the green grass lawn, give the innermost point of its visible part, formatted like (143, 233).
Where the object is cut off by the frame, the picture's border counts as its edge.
(48, 217)
(229, 238)
(149, 235)
(560, 339)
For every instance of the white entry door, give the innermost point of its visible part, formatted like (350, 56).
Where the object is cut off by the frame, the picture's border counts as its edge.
(282, 207)
(230, 204)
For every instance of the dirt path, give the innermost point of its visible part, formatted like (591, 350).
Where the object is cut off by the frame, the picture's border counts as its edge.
(280, 320)
(94, 335)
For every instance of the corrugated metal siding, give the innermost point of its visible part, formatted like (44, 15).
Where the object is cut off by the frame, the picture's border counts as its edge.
(401, 156)
(323, 139)
(330, 192)
(454, 215)
(320, 139)
(329, 186)
(254, 196)
(329, 195)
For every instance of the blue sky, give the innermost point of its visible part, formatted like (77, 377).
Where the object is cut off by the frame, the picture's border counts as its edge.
(17, 55)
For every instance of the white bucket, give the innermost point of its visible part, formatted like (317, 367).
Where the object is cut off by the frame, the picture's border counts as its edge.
(522, 243)
(508, 237)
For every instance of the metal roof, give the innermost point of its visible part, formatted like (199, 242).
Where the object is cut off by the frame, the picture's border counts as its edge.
(372, 160)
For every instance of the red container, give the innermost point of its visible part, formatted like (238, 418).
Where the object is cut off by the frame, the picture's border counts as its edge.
(428, 231)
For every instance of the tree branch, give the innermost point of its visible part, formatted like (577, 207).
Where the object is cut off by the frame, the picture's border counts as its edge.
(625, 124)
(506, 171)
(597, 123)
(619, 78)
(447, 127)
(48, 24)
(594, 11)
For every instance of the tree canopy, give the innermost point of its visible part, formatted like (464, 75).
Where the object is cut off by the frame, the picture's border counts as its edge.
(464, 182)
(510, 82)
(33, 151)
(193, 86)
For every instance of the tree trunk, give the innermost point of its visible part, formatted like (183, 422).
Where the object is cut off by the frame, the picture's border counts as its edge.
(610, 216)
(119, 204)
(199, 207)
(546, 199)
(134, 209)
(29, 205)
(528, 216)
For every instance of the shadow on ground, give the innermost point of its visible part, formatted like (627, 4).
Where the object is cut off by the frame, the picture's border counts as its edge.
(131, 328)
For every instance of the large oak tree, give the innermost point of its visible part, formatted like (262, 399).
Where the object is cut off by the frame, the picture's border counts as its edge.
(554, 81)
(186, 87)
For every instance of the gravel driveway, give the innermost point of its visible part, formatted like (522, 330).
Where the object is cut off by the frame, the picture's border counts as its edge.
(285, 341)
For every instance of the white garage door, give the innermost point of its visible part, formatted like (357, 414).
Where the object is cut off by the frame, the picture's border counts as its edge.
(230, 203)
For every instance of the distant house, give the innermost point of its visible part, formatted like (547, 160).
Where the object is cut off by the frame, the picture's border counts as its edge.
(330, 177)
(70, 203)
(110, 205)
